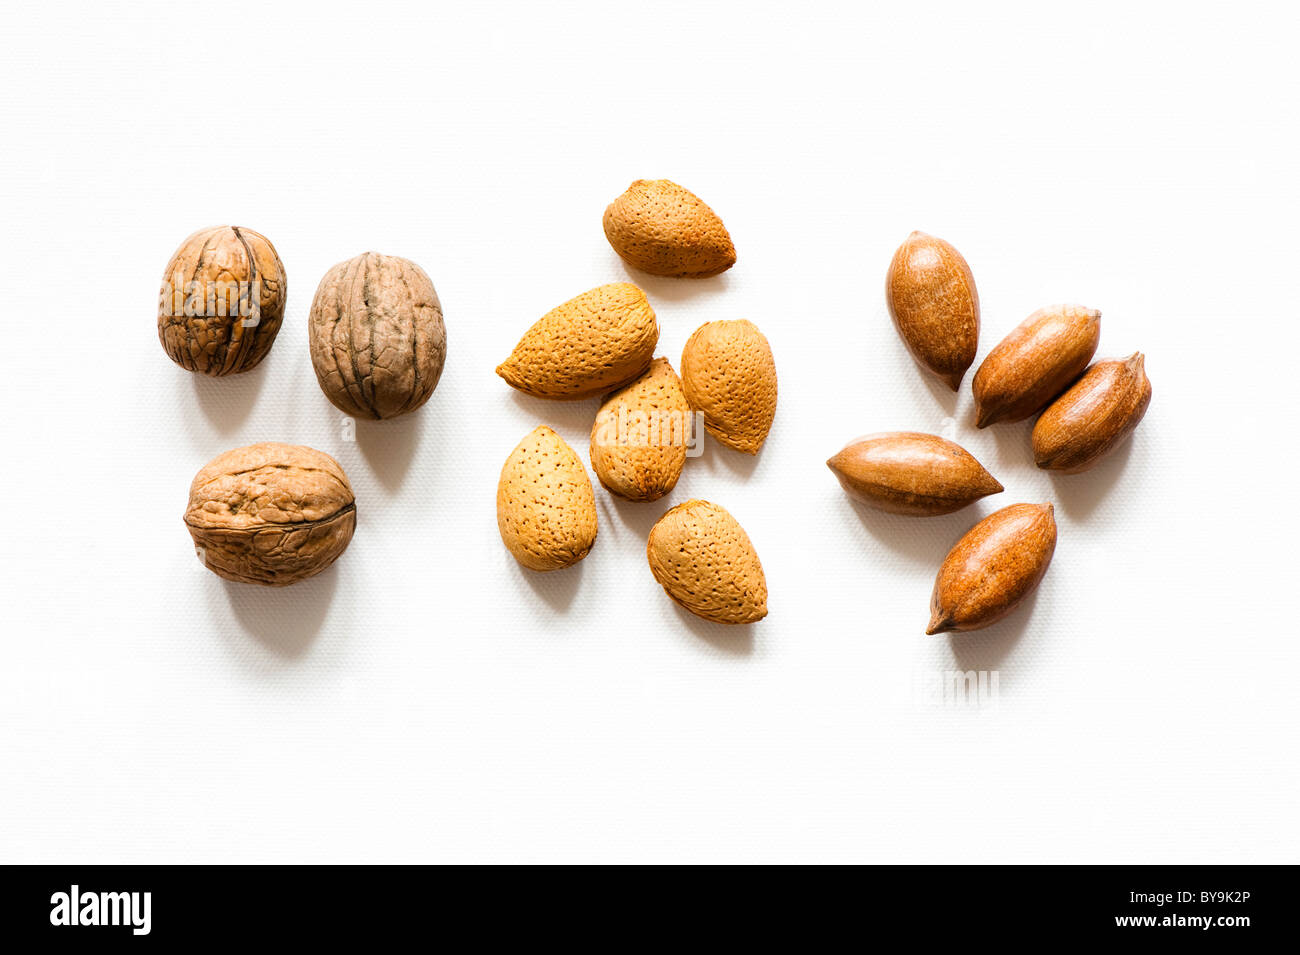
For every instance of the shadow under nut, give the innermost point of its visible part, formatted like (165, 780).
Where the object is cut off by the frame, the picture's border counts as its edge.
(378, 343)
(931, 295)
(270, 514)
(222, 301)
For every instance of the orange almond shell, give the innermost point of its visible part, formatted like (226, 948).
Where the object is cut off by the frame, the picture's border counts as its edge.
(638, 440)
(705, 562)
(729, 375)
(546, 508)
(994, 567)
(591, 344)
(662, 228)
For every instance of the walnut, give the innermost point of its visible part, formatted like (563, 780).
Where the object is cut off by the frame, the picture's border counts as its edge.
(377, 338)
(222, 301)
(270, 514)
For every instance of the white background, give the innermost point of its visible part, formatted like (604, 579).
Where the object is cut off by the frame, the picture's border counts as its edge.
(428, 700)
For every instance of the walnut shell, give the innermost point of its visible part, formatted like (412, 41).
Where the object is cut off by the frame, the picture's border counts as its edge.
(270, 514)
(377, 339)
(222, 301)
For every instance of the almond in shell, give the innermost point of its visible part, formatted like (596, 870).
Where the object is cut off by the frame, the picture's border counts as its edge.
(639, 439)
(593, 343)
(662, 228)
(931, 296)
(995, 566)
(729, 375)
(1041, 357)
(705, 562)
(907, 472)
(1093, 417)
(546, 509)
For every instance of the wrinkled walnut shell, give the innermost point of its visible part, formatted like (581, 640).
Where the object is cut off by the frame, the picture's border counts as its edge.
(270, 514)
(222, 301)
(377, 339)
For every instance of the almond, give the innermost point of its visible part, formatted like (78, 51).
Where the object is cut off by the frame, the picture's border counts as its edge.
(1041, 357)
(1093, 417)
(906, 472)
(931, 296)
(546, 509)
(638, 442)
(729, 375)
(704, 560)
(659, 227)
(993, 568)
(598, 341)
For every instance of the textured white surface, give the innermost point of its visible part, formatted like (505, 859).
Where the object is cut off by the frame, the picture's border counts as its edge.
(426, 699)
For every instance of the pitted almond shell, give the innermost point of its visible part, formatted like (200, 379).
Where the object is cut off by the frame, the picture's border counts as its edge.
(995, 566)
(546, 509)
(1041, 357)
(729, 374)
(598, 341)
(638, 441)
(662, 228)
(932, 299)
(1093, 417)
(907, 472)
(705, 562)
